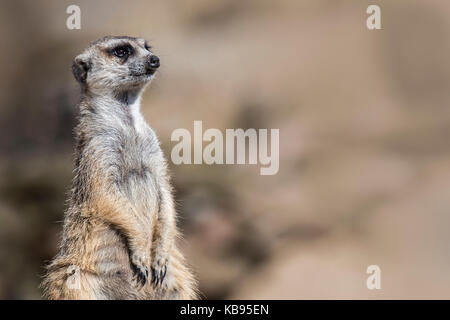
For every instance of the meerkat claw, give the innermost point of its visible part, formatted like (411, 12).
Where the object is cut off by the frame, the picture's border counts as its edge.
(154, 276)
(165, 271)
(141, 275)
(158, 275)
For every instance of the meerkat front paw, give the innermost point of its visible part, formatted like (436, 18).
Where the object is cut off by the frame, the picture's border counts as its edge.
(159, 270)
(141, 270)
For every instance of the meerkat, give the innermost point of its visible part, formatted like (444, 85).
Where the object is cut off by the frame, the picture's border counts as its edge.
(119, 232)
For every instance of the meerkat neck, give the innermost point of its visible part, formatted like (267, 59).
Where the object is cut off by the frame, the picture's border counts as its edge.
(129, 97)
(123, 107)
(133, 103)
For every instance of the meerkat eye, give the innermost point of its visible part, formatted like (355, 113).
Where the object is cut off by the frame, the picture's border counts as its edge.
(119, 52)
(147, 47)
(122, 51)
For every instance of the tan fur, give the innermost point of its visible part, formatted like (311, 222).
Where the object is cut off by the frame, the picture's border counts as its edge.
(121, 221)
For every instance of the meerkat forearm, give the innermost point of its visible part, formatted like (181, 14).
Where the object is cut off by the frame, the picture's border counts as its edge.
(163, 239)
(117, 211)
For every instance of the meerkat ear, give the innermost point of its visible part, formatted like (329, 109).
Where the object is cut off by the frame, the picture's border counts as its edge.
(80, 68)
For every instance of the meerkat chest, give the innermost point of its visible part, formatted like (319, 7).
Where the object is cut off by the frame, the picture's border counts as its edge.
(138, 177)
(139, 157)
(139, 151)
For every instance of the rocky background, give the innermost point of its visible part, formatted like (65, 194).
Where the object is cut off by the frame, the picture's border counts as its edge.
(364, 154)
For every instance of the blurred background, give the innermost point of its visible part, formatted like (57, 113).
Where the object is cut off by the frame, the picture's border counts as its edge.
(364, 154)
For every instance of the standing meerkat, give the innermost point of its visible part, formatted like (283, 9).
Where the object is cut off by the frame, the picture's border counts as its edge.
(119, 229)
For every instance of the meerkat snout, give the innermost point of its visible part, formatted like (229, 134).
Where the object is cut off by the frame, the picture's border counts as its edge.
(153, 62)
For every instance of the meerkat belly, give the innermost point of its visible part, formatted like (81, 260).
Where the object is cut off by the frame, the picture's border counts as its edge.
(112, 264)
(109, 251)
(141, 189)
(138, 178)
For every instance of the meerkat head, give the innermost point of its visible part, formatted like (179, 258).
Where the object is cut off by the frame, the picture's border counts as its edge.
(116, 64)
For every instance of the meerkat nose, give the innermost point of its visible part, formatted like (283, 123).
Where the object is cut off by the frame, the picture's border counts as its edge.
(154, 62)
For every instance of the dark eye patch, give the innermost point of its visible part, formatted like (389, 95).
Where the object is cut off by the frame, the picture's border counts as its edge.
(147, 47)
(122, 51)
